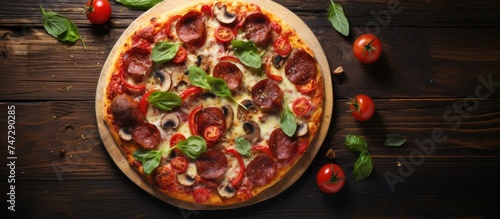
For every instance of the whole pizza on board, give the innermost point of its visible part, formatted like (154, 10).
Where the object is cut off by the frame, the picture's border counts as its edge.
(213, 103)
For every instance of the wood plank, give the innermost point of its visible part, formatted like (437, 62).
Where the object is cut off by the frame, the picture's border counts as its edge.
(36, 66)
(459, 177)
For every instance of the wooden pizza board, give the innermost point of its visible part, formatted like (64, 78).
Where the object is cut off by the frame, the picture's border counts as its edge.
(291, 19)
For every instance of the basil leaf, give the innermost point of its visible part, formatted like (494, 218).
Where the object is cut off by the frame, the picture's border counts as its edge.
(193, 146)
(164, 51)
(139, 4)
(198, 77)
(243, 146)
(356, 144)
(219, 87)
(338, 19)
(150, 159)
(60, 27)
(287, 121)
(246, 51)
(394, 140)
(164, 100)
(363, 166)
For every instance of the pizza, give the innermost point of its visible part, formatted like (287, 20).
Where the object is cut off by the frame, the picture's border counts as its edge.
(213, 102)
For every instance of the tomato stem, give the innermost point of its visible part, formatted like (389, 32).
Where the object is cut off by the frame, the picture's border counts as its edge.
(368, 47)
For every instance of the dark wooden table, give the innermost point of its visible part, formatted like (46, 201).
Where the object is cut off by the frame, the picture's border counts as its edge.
(437, 82)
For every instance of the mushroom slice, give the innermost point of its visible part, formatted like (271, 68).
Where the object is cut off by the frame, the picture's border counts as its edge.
(228, 112)
(163, 79)
(278, 61)
(302, 129)
(203, 62)
(170, 120)
(226, 190)
(187, 178)
(241, 112)
(125, 134)
(222, 15)
(179, 76)
(252, 131)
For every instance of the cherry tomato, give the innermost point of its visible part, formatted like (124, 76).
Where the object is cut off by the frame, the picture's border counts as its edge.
(180, 56)
(223, 34)
(98, 11)
(362, 107)
(367, 48)
(176, 138)
(201, 195)
(282, 46)
(179, 164)
(207, 10)
(301, 106)
(211, 133)
(330, 178)
(307, 88)
(144, 103)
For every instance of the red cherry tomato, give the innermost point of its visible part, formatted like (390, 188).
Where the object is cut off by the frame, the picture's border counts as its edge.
(180, 56)
(330, 178)
(98, 11)
(223, 34)
(362, 107)
(176, 138)
(211, 133)
(201, 195)
(144, 103)
(179, 164)
(367, 48)
(307, 88)
(282, 46)
(301, 106)
(207, 10)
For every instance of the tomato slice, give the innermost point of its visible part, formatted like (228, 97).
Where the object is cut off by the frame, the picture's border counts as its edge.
(129, 85)
(180, 56)
(301, 106)
(307, 88)
(207, 10)
(179, 164)
(190, 91)
(223, 34)
(192, 119)
(269, 73)
(176, 138)
(276, 27)
(144, 103)
(239, 178)
(211, 133)
(201, 195)
(282, 46)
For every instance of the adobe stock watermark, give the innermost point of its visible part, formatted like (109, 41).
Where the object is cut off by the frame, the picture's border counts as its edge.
(382, 18)
(454, 115)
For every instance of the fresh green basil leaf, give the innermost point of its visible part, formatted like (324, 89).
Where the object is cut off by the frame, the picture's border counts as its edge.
(164, 100)
(287, 121)
(139, 4)
(149, 165)
(143, 154)
(338, 19)
(243, 146)
(150, 159)
(198, 77)
(247, 53)
(219, 86)
(363, 166)
(394, 140)
(193, 146)
(164, 51)
(60, 27)
(244, 45)
(355, 144)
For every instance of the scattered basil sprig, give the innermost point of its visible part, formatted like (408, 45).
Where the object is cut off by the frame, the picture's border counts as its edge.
(363, 166)
(247, 53)
(60, 27)
(243, 146)
(164, 100)
(338, 19)
(139, 4)
(192, 147)
(198, 77)
(164, 51)
(287, 121)
(394, 140)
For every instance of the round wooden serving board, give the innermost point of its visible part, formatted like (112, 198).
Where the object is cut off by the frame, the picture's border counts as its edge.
(304, 162)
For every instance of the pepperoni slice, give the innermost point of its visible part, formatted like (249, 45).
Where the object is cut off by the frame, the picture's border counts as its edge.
(300, 67)
(191, 28)
(261, 170)
(137, 62)
(281, 145)
(211, 164)
(266, 94)
(147, 135)
(211, 116)
(125, 110)
(257, 28)
(164, 178)
(230, 73)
